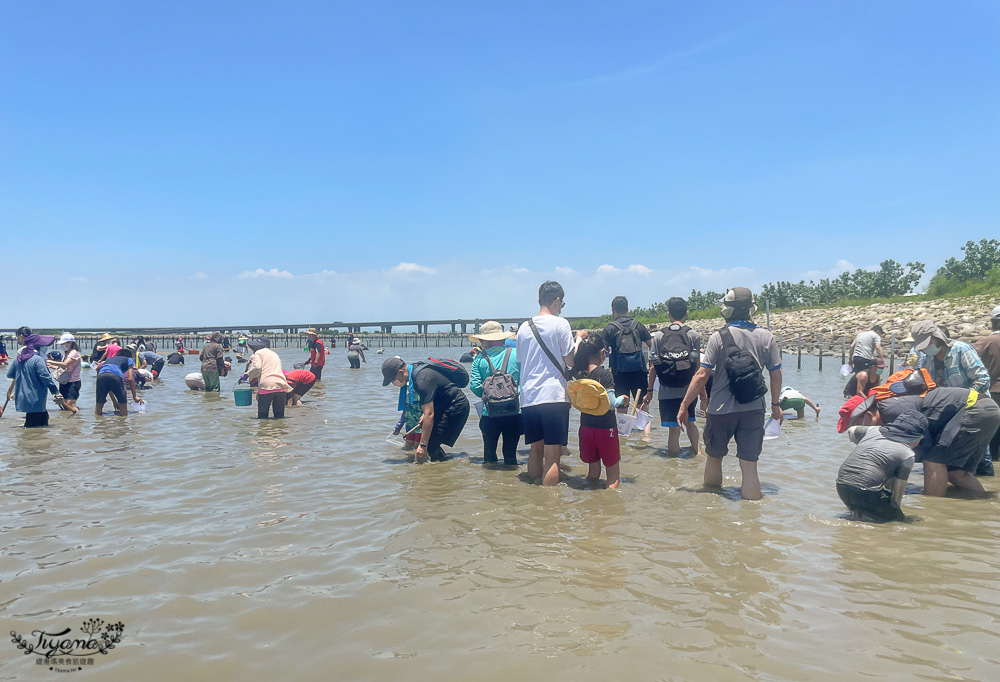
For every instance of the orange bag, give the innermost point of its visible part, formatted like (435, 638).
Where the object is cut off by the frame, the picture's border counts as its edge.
(907, 381)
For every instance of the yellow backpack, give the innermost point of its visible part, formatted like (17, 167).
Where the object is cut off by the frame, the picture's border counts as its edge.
(588, 396)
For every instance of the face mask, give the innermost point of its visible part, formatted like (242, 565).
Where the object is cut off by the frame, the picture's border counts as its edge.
(932, 349)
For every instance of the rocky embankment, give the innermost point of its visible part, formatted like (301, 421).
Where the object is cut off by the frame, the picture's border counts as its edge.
(966, 319)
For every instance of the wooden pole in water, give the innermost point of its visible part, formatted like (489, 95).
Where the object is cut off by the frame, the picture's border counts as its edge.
(821, 352)
(800, 350)
(843, 350)
(892, 353)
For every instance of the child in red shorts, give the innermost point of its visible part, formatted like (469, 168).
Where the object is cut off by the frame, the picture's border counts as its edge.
(598, 433)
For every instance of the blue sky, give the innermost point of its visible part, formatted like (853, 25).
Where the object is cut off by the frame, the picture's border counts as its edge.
(314, 161)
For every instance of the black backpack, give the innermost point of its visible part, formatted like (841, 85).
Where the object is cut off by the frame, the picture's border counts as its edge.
(745, 380)
(627, 356)
(452, 370)
(499, 389)
(674, 359)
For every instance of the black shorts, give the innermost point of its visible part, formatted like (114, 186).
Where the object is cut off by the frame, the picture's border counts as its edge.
(967, 450)
(669, 409)
(158, 367)
(70, 390)
(33, 420)
(632, 384)
(548, 422)
(317, 371)
(747, 427)
(861, 364)
(109, 383)
(876, 504)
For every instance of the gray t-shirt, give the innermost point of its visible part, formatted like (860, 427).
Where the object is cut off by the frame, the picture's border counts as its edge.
(874, 461)
(864, 345)
(760, 343)
(668, 392)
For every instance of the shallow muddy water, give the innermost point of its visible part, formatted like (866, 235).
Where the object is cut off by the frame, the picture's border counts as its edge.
(310, 549)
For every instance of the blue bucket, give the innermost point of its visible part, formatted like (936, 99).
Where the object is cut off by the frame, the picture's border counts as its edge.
(243, 396)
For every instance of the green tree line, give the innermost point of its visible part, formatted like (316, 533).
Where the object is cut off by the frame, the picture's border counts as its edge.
(977, 272)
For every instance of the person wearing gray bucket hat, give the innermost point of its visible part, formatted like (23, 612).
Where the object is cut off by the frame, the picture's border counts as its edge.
(951, 363)
(872, 479)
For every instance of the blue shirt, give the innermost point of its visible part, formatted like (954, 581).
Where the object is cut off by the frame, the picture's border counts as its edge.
(33, 379)
(117, 366)
(149, 357)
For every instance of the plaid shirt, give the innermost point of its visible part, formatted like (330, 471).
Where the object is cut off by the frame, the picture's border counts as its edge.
(961, 367)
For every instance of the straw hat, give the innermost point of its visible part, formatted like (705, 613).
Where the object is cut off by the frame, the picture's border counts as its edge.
(105, 337)
(312, 332)
(491, 331)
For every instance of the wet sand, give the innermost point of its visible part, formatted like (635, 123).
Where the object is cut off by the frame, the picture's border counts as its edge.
(310, 549)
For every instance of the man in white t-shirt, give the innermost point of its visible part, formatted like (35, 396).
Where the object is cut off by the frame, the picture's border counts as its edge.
(544, 402)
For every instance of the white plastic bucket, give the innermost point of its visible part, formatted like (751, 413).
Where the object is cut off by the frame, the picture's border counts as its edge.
(642, 420)
(845, 370)
(137, 407)
(772, 429)
(626, 422)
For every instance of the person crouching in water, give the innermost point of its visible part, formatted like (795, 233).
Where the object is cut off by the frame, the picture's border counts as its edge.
(599, 433)
(790, 399)
(444, 405)
(113, 375)
(273, 390)
(872, 480)
(301, 380)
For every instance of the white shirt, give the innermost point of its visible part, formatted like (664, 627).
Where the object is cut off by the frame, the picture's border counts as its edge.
(541, 381)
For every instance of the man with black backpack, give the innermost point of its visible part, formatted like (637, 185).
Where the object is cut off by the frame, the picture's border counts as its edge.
(438, 385)
(626, 338)
(674, 359)
(738, 353)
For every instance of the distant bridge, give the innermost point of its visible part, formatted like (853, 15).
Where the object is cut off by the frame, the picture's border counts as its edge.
(422, 327)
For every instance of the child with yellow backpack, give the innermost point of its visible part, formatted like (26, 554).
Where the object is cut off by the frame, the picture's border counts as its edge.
(592, 391)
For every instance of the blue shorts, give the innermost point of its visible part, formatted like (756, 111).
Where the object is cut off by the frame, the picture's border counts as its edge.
(669, 409)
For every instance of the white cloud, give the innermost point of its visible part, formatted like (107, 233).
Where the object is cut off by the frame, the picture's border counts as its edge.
(413, 267)
(607, 268)
(522, 271)
(261, 272)
(198, 275)
(560, 270)
(639, 269)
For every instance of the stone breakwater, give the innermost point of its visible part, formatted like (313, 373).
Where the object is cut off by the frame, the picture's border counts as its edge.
(966, 319)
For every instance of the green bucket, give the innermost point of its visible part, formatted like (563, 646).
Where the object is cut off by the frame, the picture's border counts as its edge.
(243, 396)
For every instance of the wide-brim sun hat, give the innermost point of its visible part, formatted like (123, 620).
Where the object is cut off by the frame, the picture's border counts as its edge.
(67, 338)
(312, 332)
(105, 337)
(491, 331)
